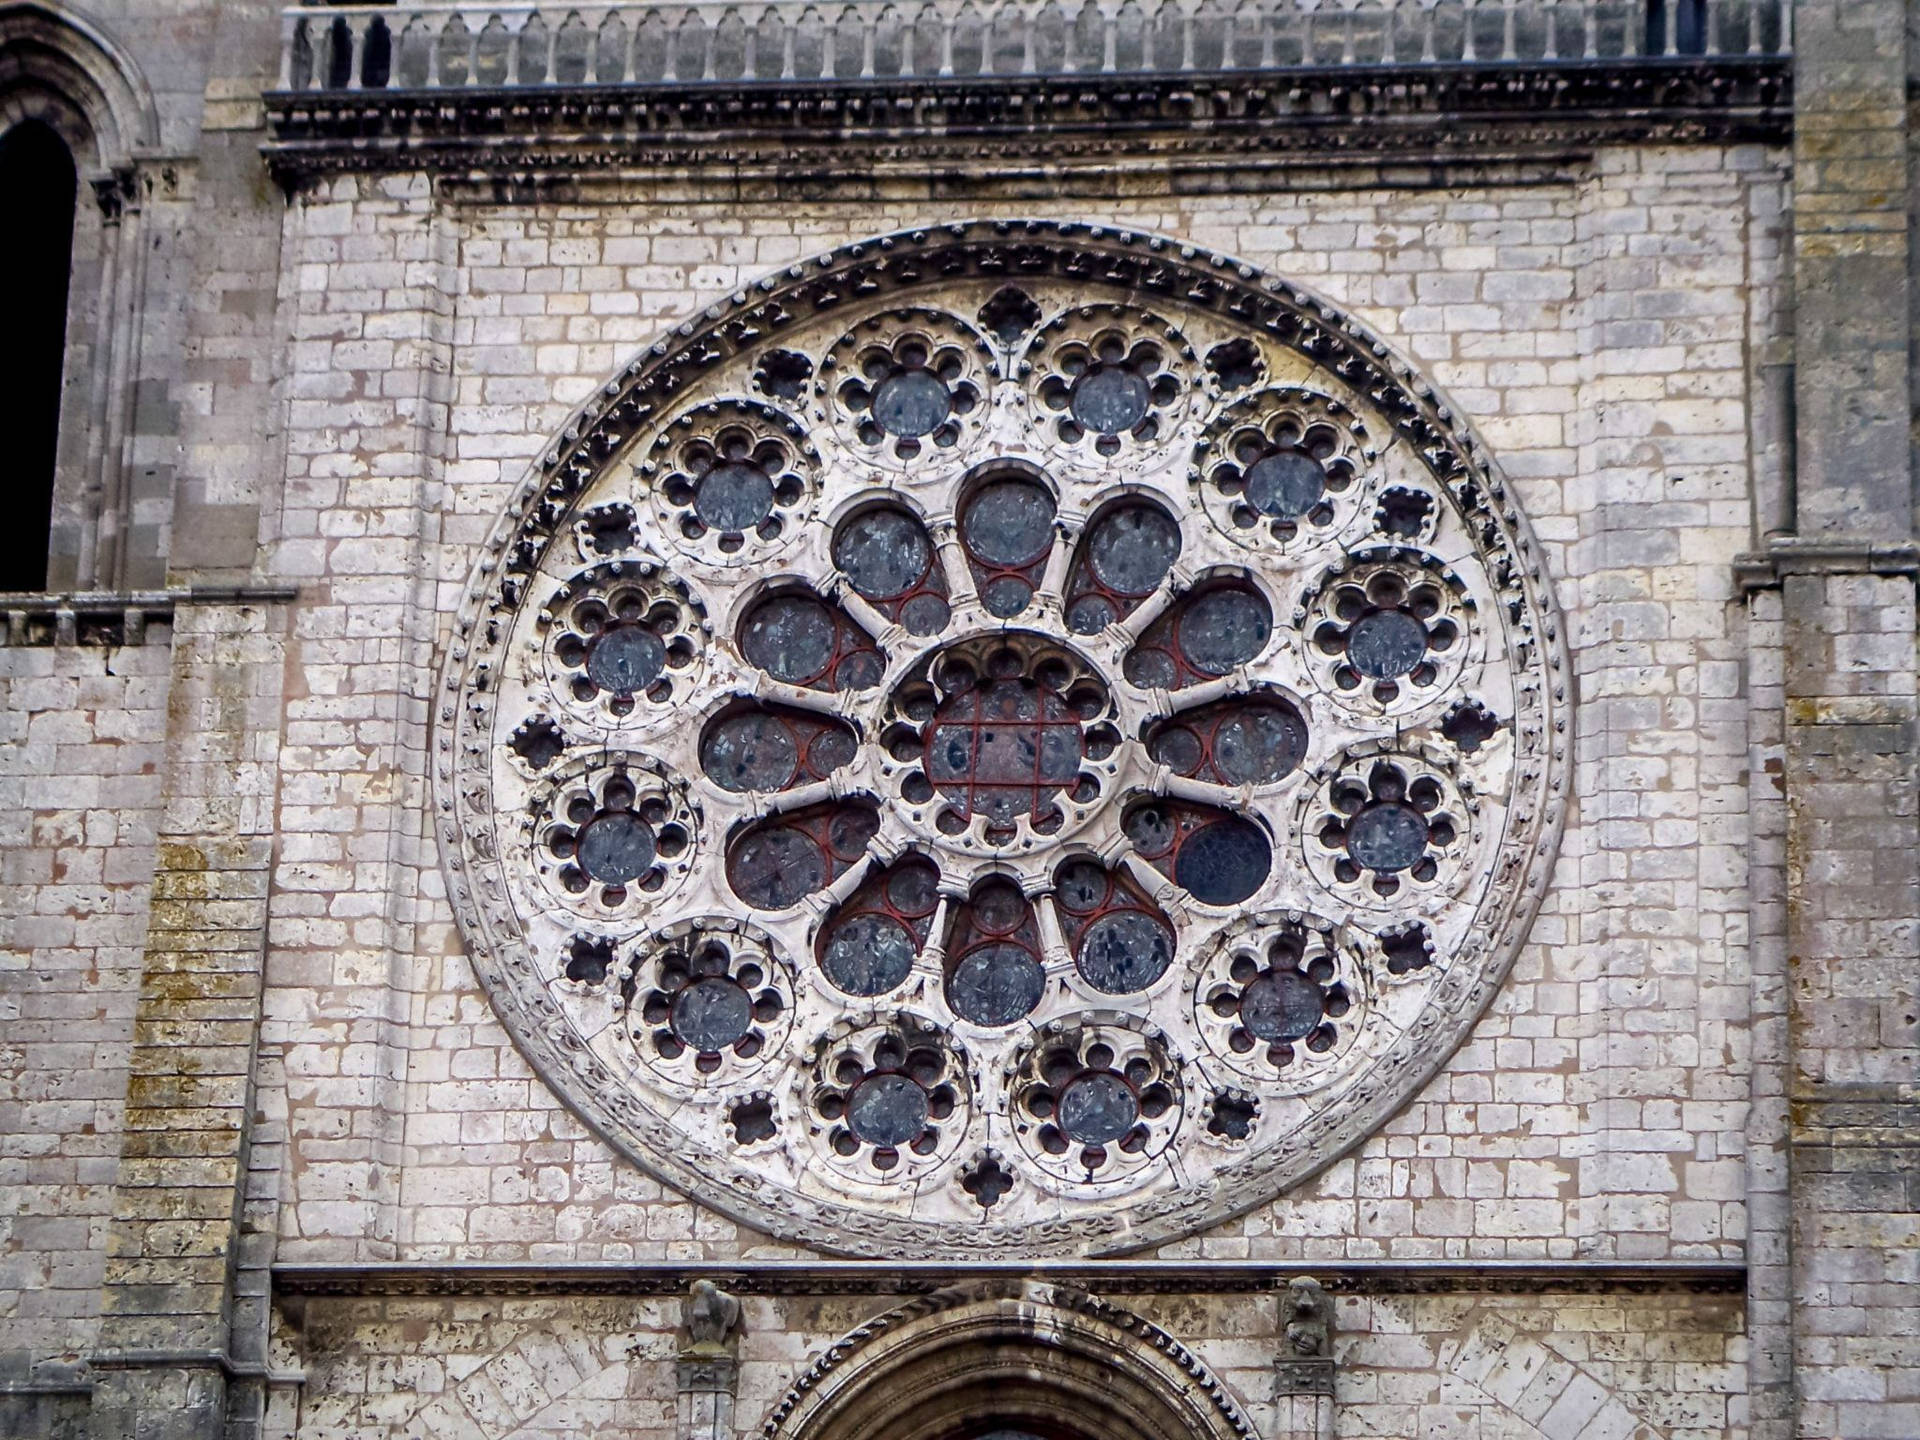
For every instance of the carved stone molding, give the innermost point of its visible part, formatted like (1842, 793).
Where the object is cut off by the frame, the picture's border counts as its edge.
(295, 1279)
(1097, 1004)
(1796, 555)
(860, 128)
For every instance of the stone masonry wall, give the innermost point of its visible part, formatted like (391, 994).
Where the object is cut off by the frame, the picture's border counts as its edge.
(80, 779)
(1598, 330)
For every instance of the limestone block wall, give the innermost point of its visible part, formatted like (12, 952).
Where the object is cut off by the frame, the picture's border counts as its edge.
(1599, 325)
(80, 786)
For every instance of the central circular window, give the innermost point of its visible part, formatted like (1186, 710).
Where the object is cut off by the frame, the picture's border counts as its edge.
(980, 748)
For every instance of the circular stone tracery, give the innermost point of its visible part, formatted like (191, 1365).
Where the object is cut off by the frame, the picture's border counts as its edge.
(1114, 774)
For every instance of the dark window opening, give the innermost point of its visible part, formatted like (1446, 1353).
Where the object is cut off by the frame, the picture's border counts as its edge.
(1689, 27)
(36, 254)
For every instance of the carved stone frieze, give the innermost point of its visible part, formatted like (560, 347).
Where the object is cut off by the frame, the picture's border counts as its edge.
(1026, 854)
(560, 133)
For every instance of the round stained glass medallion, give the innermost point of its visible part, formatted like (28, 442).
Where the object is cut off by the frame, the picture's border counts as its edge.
(1074, 791)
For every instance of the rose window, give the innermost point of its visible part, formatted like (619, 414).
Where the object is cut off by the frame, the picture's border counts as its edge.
(1009, 738)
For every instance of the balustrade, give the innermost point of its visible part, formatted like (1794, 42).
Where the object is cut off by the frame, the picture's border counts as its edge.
(728, 42)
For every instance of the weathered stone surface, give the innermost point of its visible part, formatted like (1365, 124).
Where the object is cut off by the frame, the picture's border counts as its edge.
(236, 1019)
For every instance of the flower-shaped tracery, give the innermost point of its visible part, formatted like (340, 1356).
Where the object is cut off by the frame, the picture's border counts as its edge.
(1387, 823)
(611, 831)
(1283, 466)
(1096, 1102)
(622, 637)
(889, 1098)
(908, 384)
(924, 815)
(1389, 632)
(1109, 376)
(1274, 1000)
(731, 478)
(708, 998)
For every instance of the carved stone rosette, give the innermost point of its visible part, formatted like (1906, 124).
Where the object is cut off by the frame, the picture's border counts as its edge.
(1004, 738)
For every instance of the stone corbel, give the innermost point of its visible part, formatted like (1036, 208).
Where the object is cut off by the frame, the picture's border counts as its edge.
(707, 1371)
(1303, 1373)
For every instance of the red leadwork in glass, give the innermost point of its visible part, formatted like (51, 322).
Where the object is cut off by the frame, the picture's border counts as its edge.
(1217, 857)
(1213, 631)
(1004, 748)
(1249, 740)
(796, 637)
(775, 864)
(995, 974)
(1006, 530)
(1120, 940)
(887, 558)
(765, 749)
(870, 944)
(1123, 558)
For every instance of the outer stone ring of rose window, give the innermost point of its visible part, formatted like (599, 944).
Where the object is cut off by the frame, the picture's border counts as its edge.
(1094, 754)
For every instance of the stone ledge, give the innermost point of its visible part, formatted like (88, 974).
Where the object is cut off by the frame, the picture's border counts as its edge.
(1791, 555)
(98, 617)
(853, 1277)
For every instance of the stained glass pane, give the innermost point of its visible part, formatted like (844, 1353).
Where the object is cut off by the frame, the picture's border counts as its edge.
(1097, 1109)
(791, 637)
(887, 1109)
(734, 496)
(1132, 548)
(712, 1014)
(616, 848)
(884, 553)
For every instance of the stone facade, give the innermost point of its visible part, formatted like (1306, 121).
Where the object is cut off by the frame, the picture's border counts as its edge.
(273, 1165)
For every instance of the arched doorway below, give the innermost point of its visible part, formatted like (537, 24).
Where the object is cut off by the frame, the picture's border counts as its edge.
(1034, 1362)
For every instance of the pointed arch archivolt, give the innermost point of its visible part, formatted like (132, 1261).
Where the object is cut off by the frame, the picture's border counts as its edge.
(1030, 1356)
(60, 67)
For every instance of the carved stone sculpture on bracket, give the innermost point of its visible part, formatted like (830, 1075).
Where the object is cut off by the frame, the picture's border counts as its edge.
(707, 1372)
(1303, 1374)
(1009, 737)
(711, 1317)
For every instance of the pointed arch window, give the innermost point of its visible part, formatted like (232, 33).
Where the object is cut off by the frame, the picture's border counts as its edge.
(39, 180)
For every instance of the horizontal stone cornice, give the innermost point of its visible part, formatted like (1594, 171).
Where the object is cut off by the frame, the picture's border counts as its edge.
(935, 127)
(1794, 555)
(831, 1277)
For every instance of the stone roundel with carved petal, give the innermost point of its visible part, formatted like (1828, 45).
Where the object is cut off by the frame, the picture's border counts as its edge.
(1012, 737)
